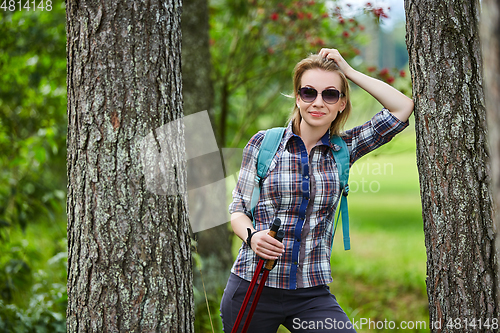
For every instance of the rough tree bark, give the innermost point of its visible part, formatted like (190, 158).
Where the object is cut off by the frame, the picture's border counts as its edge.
(452, 157)
(129, 259)
(490, 38)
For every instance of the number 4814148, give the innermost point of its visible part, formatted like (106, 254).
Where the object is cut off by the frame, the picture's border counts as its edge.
(27, 5)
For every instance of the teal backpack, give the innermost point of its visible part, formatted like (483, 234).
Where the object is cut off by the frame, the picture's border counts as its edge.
(268, 149)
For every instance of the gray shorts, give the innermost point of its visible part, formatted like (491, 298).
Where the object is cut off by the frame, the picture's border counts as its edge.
(301, 310)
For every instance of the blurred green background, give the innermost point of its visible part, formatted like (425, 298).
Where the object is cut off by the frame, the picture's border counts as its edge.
(382, 277)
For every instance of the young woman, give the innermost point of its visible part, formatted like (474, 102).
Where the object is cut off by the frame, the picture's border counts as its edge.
(296, 293)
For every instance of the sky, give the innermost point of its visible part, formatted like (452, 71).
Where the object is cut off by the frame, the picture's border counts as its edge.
(396, 12)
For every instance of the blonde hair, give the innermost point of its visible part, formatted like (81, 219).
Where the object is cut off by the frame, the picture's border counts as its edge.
(317, 62)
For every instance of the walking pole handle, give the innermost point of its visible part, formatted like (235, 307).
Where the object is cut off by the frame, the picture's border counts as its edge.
(274, 227)
(279, 236)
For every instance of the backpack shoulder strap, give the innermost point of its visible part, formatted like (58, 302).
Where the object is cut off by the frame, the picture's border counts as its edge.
(342, 159)
(267, 150)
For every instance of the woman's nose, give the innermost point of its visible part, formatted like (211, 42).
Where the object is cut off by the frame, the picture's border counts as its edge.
(318, 101)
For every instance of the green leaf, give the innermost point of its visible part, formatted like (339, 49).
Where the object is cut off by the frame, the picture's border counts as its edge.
(40, 154)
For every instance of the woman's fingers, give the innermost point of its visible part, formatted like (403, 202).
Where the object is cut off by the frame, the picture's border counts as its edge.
(266, 246)
(335, 55)
(329, 53)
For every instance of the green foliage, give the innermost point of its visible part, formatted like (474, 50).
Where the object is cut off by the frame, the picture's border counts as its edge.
(32, 170)
(15, 272)
(208, 297)
(45, 312)
(34, 297)
(33, 274)
(32, 116)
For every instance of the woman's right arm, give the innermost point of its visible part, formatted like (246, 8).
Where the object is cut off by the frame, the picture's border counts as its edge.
(263, 245)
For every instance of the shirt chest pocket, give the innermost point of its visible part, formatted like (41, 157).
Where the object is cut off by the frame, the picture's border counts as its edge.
(325, 183)
(287, 182)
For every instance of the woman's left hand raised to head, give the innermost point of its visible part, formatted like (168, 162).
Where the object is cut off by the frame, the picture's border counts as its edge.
(335, 55)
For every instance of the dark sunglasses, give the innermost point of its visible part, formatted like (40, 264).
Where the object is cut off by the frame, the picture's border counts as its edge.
(330, 96)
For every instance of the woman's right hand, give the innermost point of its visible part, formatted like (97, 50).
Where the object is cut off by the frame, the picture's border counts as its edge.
(266, 246)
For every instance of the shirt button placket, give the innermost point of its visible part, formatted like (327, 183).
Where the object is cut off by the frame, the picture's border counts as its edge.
(304, 179)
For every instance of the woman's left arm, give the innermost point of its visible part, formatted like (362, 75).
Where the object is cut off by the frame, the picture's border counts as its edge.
(392, 99)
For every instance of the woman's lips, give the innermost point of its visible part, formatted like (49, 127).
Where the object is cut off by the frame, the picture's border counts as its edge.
(316, 114)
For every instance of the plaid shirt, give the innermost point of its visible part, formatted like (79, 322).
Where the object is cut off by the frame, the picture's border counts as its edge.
(303, 191)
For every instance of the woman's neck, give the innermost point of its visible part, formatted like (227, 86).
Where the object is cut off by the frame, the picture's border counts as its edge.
(310, 135)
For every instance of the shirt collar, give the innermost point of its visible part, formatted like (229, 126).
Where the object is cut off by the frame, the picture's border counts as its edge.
(325, 139)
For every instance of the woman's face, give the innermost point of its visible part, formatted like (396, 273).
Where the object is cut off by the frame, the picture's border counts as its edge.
(319, 114)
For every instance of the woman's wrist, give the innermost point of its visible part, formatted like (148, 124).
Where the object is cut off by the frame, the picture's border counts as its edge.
(349, 72)
(249, 238)
(240, 222)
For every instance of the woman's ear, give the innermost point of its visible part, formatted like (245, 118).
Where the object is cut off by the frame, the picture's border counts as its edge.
(343, 104)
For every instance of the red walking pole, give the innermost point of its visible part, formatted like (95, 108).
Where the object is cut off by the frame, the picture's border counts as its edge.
(278, 234)
(267, 268)
(248, 295)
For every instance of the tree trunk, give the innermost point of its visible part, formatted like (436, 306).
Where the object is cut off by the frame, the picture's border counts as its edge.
(129, 259)
(197, 87)
(452, 157)
(198, 95)
(213, 244)
(490, 38)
